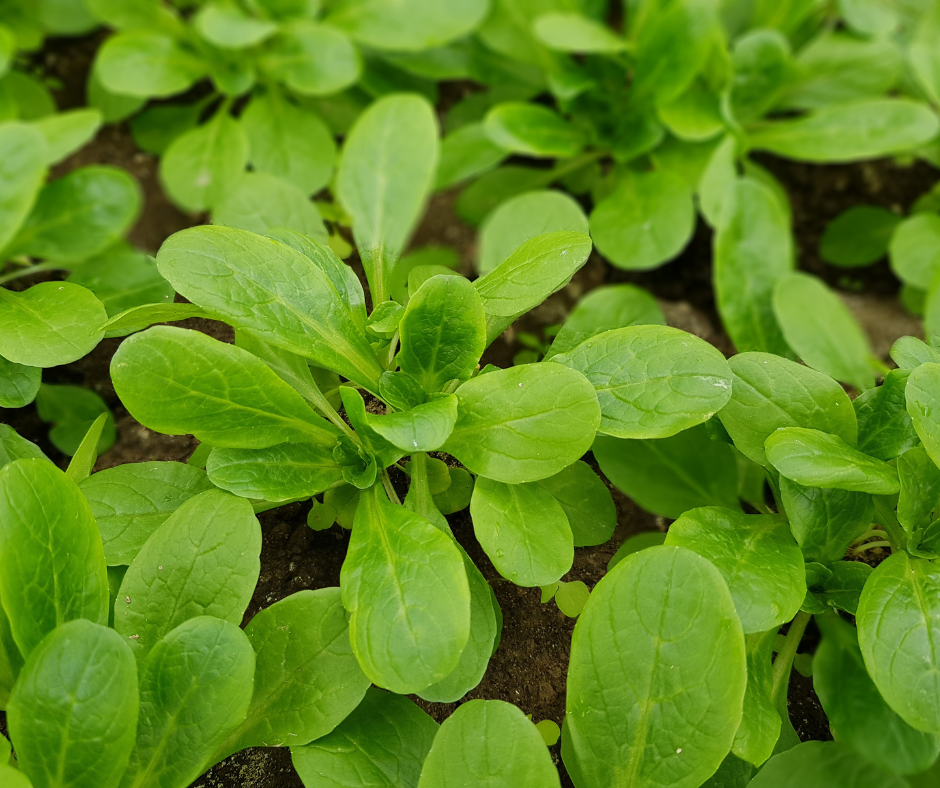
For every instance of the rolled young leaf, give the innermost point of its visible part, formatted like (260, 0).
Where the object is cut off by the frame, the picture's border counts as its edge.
(406, 591)
(52, 567)
(489, 742)
(524, 424)
(647, 622)
(203, 561)
(73, 711)
(651, 381)
(307, 679)
(178, 381)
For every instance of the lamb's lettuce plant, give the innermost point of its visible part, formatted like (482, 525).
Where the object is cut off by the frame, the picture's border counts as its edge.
(307, 69)
(846, 477)
(121, 658)
(416, 625)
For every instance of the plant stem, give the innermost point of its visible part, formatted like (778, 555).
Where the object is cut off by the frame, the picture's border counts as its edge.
(867, 535)
(387, 483)
(32, 269)
(870, 545)
(886, 518)
(783, 664)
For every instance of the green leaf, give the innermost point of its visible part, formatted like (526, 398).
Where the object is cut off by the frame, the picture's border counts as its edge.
(669, 476)
(443, 332)
(532, 130)
(131, 501)
(80, 215)
(18, 384)
(307, 679)
(651, 381)
(52, 566)
(753, 251)
(423, 428)
(465, 153)
(228, 27)
(914, 250)
(858, 236)
(922, 54)
(382, 744)
(122, 279)
(457, 496)
(310, 318)
(14, 778)
(342, 276)
(203, 561)
(603, 309)
(484, 634)
(285, 472)
(571, 598)
(147, 64)
(312, 59)
(857, 713)
(920, 489)
(759, 731)
(259, 202)
(73, 711)
(922, 400)
(289, 141)
(586, 502)
(179, 382)
(838, 68)
(898, 628)
(523, 530)
(86, 455)
(818, 459)
(885, 428)
(200, 166)
(646, 221)
(846, 132)
(13, 447)
(821, 764)
(521, 218)
(756, 555)
(648, 622)
(536, 269)
(670, 49)
(397, 134)
(524, 424)
(825, 521)
(822, 331)
(49, 324)
(66, 132)
(406, 591)
(488, 742)
(761, 60)
(572, 32)
(23, 158)
(407, 25)
(769, 392)
(195, 687)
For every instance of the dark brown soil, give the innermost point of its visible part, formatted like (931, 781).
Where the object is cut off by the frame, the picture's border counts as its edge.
(530, 665)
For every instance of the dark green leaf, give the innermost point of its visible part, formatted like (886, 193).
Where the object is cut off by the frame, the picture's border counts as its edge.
(858, 236)
(822, 764)
(586, 501)
(885, 428)
(18, 384)
(72, 410)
